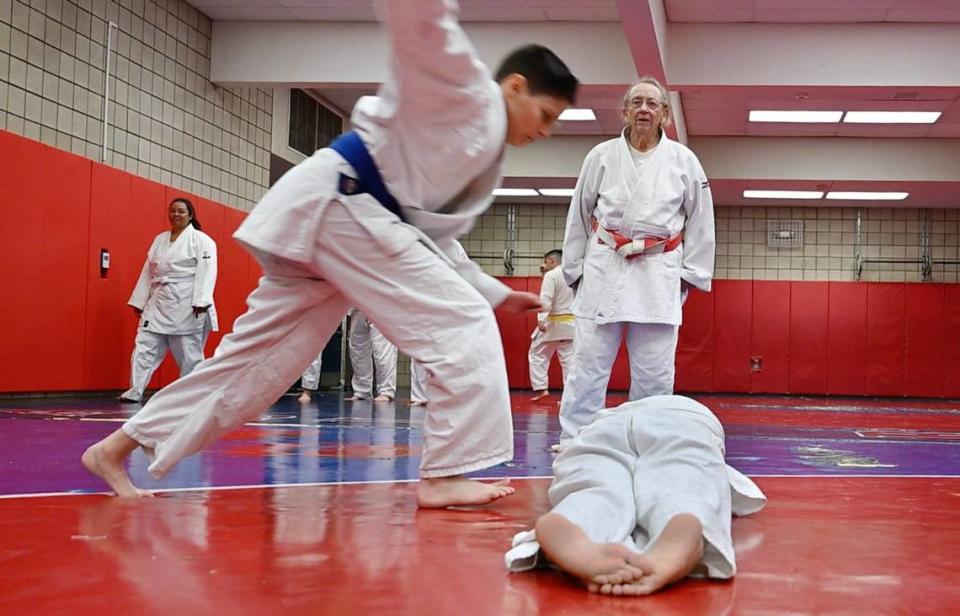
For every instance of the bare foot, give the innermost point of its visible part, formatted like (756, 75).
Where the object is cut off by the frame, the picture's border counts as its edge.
(438, 492)
(305, 397)
(557, 448)
(354, 398)
(383, 398)
(569, 548)
(105, 460)
(673, 557)
(540, 395)
(418, 403)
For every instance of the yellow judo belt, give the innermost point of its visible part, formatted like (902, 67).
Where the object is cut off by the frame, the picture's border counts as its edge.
(561, 318)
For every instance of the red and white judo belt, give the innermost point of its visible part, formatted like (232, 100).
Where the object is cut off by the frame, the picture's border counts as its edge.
(629, 248)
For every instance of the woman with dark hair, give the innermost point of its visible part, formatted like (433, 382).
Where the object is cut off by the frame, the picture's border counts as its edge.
(173, 298)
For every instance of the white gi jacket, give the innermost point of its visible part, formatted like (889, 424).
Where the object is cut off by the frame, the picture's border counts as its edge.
(175, 278)
(443, 179)
(670, 194)
(557, 297)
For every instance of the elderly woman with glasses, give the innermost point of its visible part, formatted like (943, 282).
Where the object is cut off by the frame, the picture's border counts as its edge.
(639, 234)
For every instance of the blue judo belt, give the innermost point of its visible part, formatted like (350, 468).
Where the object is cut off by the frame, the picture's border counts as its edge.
(351, 148)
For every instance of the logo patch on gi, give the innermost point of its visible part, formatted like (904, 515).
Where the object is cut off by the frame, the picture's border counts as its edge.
(205, 255)
(348, 185)
(705, 184)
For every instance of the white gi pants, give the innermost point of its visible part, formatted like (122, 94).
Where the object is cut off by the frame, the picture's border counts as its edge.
(369, 349)
(310, 379)
(635, 467)
(651, 348)
(539, 356)
(296, 308)
(149, 349)
(418, 382)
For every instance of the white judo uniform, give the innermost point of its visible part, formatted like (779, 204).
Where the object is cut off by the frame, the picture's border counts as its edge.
(634, 467)
(371, 353)
(656, 194)
(418, 374)
(436, 131)
(175, 278)
(558, 321)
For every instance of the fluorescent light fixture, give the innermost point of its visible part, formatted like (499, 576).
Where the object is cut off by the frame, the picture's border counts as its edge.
(556, 192)
(815, 117)
(515, 192)
(868, 196)
(577, 115)
(891, 117)
(783, 194)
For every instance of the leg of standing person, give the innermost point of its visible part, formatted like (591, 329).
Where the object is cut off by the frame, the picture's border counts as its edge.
(652, 348)
(595, 349)
(385, 365)
(149, 350)
(565, 354)
(310, 379)
(418, 384)
(294, 311)
(361, 357)
(187, 351)
(538, 357)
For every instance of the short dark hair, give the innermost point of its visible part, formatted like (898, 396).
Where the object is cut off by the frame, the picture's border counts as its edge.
(556, 253)
(545, 72)
(190, 210)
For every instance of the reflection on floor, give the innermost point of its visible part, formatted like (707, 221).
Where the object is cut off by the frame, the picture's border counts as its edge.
(864, 516)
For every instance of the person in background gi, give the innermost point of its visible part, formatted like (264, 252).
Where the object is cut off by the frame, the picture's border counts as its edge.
(173, 299)
(641, 498)
(554, 331)
(419, 375)
(371, 222)
(639, 235)
(310, 379)
(369, 349)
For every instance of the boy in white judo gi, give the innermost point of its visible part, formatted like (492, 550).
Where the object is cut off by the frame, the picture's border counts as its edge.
(371, 222)
(641, 498)
(555, 326)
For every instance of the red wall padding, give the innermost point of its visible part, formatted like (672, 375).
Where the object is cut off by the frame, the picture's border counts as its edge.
(951, 342)
(733, 321)
(770, 341)
(64, 327)
(842, 338)
(924, 347)
(695, 344)
(886, 339)
(809, 304)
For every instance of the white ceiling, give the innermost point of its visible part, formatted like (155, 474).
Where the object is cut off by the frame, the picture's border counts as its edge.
(841, 55)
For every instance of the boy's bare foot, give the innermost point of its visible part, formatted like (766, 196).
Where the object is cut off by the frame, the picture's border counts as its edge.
(675, 554)
(418, 403)
(540, 395)
(383, 398)
(438, 492)
(568, 547)
(354, 398)
(305, 397)
(105, 460)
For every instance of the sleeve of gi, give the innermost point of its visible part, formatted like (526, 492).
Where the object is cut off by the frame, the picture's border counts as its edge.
(699, 238)
(206, 276)
(431, 53)
(489, 287)
(548, 294)
(141, 292)
(582, 205)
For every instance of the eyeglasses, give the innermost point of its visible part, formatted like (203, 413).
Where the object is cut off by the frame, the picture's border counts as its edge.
(652, 104)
